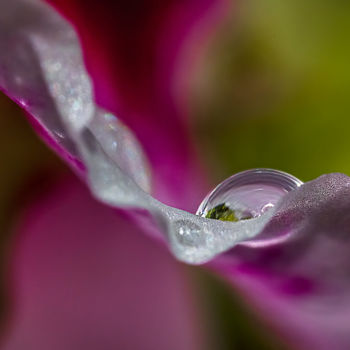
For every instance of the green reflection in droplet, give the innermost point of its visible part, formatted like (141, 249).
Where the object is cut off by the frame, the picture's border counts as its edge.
(224, 213)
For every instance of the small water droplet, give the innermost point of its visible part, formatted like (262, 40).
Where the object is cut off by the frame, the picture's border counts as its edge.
(247, 195)
(188, 233)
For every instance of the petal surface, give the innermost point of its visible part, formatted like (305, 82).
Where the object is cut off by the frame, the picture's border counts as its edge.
(136, 53)
(301, 286)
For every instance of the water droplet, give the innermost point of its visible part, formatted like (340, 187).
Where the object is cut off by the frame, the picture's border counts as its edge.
(188, 233)
(247, 195)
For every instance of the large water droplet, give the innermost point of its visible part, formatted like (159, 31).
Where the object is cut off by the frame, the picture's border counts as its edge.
(247, 195)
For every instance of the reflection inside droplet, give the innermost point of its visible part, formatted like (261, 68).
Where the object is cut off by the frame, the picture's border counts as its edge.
(247, 195)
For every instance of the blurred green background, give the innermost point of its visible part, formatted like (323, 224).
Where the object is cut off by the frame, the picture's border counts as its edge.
(274, 90)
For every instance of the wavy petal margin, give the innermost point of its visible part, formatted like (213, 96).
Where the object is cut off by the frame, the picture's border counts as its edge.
(42, 69)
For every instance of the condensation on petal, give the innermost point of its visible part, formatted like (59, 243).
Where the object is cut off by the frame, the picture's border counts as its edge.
(42, 69)
(192, 238)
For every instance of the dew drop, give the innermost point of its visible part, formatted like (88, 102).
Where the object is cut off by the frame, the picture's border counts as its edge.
(247, 195)
(188, 234)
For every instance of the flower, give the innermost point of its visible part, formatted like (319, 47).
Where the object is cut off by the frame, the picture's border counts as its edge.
(291, 284)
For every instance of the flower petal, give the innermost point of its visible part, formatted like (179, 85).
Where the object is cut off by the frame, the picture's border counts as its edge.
(42, 70)
(301, 286)
(134, 51)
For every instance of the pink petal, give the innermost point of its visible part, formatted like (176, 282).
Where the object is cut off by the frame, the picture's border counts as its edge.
(135, 52)
(86, 278)
(301, 286)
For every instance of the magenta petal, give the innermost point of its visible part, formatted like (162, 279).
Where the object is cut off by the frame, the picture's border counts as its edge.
(41, 69)
(39, 51)
(86, 278)
(302, 286)
(135, 52)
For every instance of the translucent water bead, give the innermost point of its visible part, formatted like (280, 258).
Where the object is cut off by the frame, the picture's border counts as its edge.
(247, 195)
